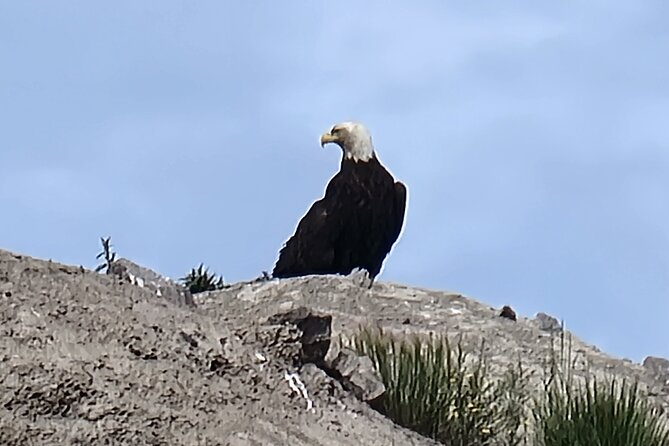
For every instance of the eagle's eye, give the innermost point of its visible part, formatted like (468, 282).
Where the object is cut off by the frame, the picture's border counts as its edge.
(334, 130)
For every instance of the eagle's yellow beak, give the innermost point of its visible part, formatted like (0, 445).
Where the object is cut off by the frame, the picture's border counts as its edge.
(326, 138)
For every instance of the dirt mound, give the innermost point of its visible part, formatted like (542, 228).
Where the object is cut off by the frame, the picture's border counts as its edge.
(89, 359)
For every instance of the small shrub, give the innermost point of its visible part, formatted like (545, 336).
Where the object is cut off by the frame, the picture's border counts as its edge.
(108, 254)
(200, 280)
(434, 390)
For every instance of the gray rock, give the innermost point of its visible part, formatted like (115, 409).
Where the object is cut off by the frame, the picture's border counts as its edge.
(6, 289)
(659, 367)
(316, 331)
(163, 287)
(546, 322)
(358, 375)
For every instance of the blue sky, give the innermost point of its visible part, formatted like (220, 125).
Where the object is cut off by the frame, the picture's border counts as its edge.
(532, 137)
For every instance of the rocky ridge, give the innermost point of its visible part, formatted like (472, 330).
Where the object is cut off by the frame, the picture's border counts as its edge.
(90, 358)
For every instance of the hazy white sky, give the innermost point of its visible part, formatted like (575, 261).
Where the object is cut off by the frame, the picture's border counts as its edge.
(532, 137)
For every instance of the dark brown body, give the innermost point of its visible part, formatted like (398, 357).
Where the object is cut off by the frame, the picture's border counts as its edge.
(353, 226)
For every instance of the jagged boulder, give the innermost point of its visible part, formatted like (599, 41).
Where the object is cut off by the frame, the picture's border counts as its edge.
(658, 367)
(357, 373)
(315, 332)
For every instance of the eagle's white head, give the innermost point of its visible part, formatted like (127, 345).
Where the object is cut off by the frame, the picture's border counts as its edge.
(353, 138)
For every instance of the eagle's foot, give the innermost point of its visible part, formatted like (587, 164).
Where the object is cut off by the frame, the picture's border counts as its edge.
(264, 277)
(361, 278)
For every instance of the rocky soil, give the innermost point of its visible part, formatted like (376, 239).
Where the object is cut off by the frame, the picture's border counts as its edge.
(95, 359)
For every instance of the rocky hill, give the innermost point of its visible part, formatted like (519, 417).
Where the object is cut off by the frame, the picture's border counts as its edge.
(130, 358)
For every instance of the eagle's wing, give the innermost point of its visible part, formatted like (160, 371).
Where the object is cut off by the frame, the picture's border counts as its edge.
(397, 220)
(389, 227)
(311, 250)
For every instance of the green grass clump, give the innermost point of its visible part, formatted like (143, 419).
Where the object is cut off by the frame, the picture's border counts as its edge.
(591, 412)
(595, 413)
(200, 280)
(435, 390)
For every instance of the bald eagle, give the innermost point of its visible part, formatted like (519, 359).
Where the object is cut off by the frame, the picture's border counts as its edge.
(356, 223)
